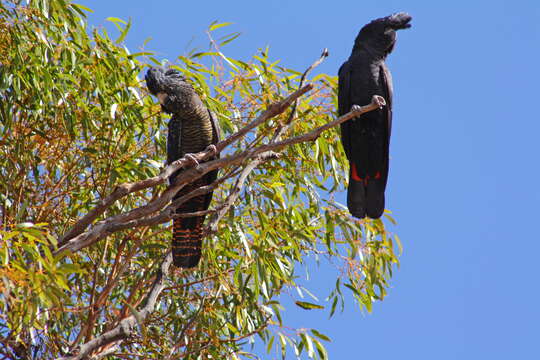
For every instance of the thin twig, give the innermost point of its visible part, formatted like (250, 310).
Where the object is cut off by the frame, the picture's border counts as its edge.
(282, 129)
(105, 353)
(103, 228)
(212, 225)
(77, 238)
(128, 188)
(185, 328)
(125, 327)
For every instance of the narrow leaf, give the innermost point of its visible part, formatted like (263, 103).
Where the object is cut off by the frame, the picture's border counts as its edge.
(308, 306)
(217, 26)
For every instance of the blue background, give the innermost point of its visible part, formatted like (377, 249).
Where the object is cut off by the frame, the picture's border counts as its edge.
(464, 169)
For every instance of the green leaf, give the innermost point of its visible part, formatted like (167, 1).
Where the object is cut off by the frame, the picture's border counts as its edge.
(215, 26)
(269, 344)
(116, 20)
(320, 335)
(309, 344)
(124, 32)
(323, 354)
(308, 306)
(79, 122)
(137, 54)
(138, 318)
(229, 38)
(82, 7)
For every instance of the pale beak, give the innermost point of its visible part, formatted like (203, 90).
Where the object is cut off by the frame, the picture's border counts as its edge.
(161, 97)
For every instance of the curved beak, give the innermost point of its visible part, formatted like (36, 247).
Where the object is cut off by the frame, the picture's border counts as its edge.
(400, 21)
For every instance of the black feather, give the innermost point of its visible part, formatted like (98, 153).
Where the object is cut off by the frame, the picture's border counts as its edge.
(191, 129)
(366, 140)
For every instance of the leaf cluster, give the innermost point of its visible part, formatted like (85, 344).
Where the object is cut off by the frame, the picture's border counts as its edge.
(76, 120)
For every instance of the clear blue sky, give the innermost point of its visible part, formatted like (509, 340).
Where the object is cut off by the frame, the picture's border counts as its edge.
(465, 160)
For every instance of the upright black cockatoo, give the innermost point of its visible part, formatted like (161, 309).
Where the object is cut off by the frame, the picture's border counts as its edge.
(366, 139)
(192, 129)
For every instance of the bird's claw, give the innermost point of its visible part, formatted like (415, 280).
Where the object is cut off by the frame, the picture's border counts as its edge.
(192, 160)
(213, 150)
(355, 107)
(379, 101)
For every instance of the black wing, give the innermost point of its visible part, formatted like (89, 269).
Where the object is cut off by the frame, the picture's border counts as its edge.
(216, 129)
(173, 139)
(344, 104)
(388, 94)
(386, 87)
(212, 175)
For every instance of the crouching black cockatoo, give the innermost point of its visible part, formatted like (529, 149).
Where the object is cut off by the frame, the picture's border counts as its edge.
(366, 139)
(192, 129)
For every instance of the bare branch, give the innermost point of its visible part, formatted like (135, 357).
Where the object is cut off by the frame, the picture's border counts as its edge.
(125, 327)
(376, 103)
(107, 226)
(324, 55)
(212, 225)
(169, 212)
(77, 238)
(186, 327)
(128, 188)
(106, 352)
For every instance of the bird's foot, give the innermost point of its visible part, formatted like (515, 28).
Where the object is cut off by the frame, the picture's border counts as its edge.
(193, 161)
(355, 107)
(379, 101)
(213, 150)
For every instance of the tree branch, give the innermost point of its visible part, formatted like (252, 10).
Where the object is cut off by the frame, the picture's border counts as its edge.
(125, 327)
(107, 226)
(281, 129)
(235, 192)
(77, 238)
(185, 328)
(128, 188)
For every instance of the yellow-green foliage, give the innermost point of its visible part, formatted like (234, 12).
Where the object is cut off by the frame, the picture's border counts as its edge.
(76, 120)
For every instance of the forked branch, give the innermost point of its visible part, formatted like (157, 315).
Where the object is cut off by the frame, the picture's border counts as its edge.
(77, 238)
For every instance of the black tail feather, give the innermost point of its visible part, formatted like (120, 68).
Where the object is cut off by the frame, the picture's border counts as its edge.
(375, 198)
(188, 231)
(366, 197)
(356, 198)
(187, 241)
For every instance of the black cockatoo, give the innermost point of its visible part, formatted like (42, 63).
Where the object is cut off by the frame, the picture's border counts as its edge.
(366, 139)
(192, 128)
